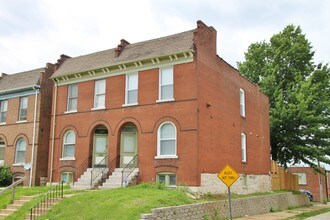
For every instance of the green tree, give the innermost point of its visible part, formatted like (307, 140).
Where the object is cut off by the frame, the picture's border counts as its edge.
(298, 92)
(5, 176)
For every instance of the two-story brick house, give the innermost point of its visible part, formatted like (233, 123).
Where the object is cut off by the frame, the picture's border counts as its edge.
(170, 106)
(25, 109)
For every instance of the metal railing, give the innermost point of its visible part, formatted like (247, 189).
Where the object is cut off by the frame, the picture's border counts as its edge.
(13, 187)
(48, 199)
(108, 169)
(100, 168)
(129, 168)
(81, 169)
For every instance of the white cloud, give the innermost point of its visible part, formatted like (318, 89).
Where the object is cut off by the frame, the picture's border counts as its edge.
(34, 32)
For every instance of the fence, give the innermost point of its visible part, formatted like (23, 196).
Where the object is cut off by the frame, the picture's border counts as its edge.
(283, 180)
(51, 197)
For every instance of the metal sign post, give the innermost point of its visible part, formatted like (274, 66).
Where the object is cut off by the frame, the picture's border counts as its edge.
(228, 176)
(229, 200)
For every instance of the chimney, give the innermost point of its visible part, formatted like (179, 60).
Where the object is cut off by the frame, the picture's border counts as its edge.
(2, 75)
(120, 47)
(63, 57)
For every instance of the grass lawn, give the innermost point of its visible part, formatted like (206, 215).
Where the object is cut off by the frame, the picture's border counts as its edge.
(122, 203)
(21, 191)
(305, 215)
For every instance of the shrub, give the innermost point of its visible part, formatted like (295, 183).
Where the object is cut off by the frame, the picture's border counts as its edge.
(5, 176)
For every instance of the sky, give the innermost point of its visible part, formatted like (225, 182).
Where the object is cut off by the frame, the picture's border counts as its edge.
(35, 32)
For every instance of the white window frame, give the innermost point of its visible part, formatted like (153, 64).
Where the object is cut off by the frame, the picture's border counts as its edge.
(97, 94)
(21, 150)
(302, 178)
(2, 152)
(67, 144)
(128, 89)
(167, 178)
(159, 140)
(243, 147)
(70, 108)
(69, 177)
(21, 109)
(161, 84)
(3, 111)
(242, 102)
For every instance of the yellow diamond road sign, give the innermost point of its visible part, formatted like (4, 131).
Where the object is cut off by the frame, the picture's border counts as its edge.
(228, 175)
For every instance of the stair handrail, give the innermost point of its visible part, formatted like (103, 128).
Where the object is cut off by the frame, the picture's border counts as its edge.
(12, 186)
(46, 200)
(127, 167)
(80, 169)
(100, 171)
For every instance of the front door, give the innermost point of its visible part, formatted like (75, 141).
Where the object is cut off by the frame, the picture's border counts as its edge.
(100, 150)
(128, 146)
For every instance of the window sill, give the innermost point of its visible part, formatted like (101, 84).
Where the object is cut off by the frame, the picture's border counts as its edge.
(18, 165)
(23, 121)
(164, 100)
(70, 112)
(98, 108)
(244, 162)
(166, 157)
(3, 123)
(67, 159)
(130, 104)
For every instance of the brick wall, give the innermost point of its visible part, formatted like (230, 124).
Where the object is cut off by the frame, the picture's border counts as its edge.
(219, 210)
(312, 181)
(219, 119)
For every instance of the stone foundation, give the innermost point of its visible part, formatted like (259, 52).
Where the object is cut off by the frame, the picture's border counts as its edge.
(246, 184)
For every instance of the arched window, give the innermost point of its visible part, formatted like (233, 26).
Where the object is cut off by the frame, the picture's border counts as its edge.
(69, 143)
(166, 146)
(20, 151)
(243, 146)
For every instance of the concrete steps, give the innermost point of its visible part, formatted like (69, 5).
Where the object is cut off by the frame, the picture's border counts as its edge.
(114, 180)
(84, 182)
(10, 209)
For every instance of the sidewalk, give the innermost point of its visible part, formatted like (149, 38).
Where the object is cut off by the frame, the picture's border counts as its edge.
(286, 213)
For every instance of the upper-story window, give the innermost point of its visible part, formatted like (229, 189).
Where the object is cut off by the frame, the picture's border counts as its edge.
(20, 151)
(69, 143)
(243, 147)
(242, 102)
(166, 146)
(72, 97)
(3, 110)
(2, 152)
(166, 84)
(99, 94)
(132, 89)
(23, 105)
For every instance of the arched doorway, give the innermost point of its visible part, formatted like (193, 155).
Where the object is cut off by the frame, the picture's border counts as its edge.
(100, 147)
(128, 144)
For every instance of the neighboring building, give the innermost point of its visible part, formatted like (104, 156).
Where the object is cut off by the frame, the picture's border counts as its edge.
(310, 180)
(171, 101)
(25, 109)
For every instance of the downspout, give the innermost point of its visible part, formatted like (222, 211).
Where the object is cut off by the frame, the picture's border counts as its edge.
(53, 136)
(36, 88)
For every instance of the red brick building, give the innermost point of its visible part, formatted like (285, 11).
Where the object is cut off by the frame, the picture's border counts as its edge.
(25, 109)
(170, 106)
(310, 180)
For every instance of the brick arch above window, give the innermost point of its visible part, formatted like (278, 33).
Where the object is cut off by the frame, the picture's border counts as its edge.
(167, 119)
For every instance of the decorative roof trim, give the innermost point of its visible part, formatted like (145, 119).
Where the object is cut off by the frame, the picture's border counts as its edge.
(125, 68)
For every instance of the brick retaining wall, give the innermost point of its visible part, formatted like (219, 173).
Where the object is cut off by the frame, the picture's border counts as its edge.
(219, 210)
